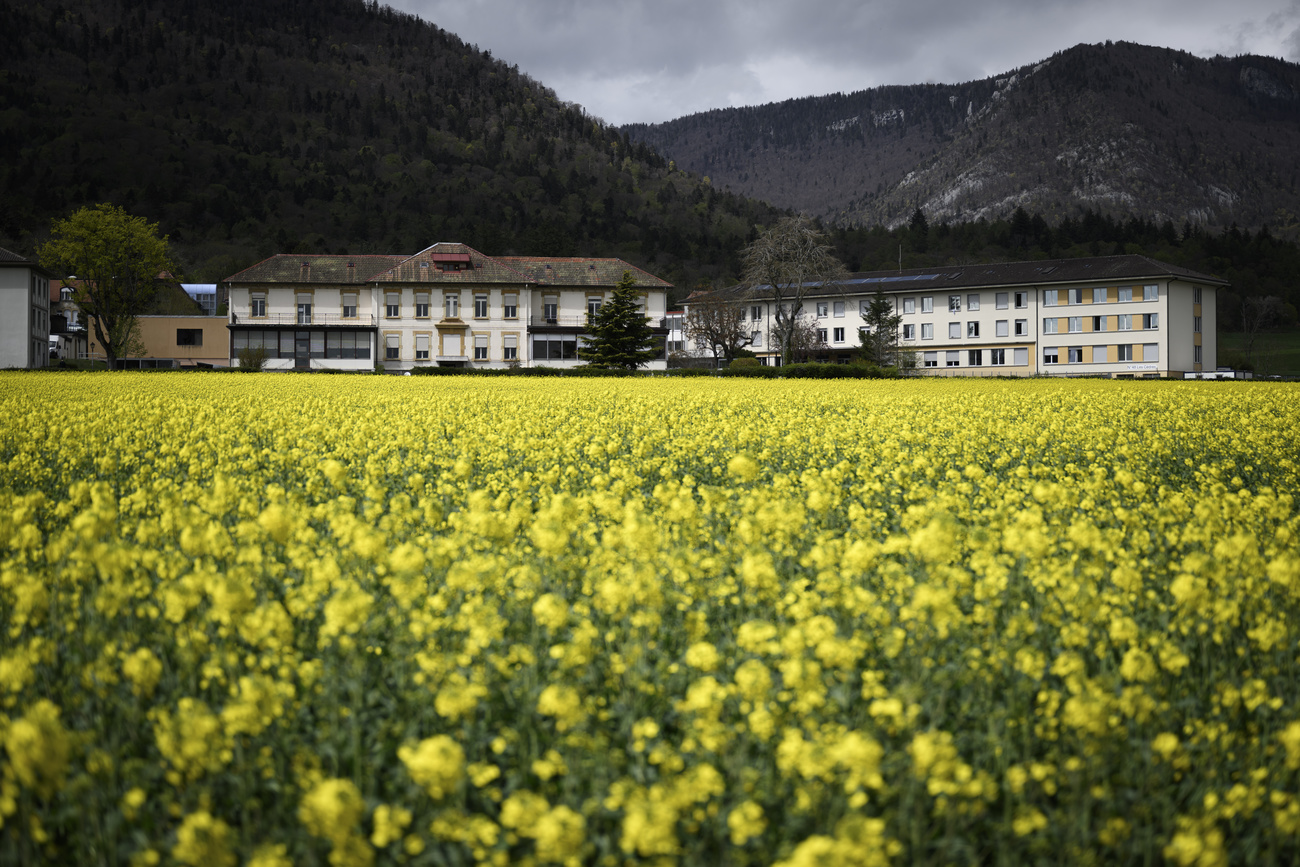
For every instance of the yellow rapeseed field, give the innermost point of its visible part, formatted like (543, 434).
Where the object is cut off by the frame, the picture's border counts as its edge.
(276, 619)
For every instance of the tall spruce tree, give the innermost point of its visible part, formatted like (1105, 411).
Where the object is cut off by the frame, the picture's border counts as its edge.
(621, 336)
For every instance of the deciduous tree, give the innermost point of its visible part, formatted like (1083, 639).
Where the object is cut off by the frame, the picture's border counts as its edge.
(117, 259)
(718, 325)
(621, 336)
(786, 262)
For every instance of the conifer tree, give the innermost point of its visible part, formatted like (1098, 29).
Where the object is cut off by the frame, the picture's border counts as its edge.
(621, 336)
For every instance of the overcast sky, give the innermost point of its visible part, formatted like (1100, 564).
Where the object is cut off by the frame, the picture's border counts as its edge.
(653, 60)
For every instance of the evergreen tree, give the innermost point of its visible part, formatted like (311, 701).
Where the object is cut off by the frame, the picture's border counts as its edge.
(880, 336)
(621, 336)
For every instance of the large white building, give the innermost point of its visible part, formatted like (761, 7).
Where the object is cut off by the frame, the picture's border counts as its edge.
(24, 312)
(448, 305)
(1117, 316)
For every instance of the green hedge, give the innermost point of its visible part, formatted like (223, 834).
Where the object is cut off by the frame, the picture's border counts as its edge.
(790, 371)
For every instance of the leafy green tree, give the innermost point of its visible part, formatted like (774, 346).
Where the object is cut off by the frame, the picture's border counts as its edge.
(118, 259)
(621, 336)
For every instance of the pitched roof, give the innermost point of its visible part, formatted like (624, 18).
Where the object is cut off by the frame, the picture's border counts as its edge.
(555, 271)
(313, 268)
(1044, 273)
(9, 259)
(423, 267)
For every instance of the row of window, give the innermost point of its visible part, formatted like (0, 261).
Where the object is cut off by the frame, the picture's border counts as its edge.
(451, 346)
(975, 357)
(1146, 352)
(1099, 295)
(1001, 300)
(393, 306)
(308, 344)
(1123, 322)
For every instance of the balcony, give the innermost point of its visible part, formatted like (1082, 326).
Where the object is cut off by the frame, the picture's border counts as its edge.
(579, 322)
(316, 320)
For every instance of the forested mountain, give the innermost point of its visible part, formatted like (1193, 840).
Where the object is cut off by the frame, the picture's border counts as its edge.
(1118, 129)
(247, 127)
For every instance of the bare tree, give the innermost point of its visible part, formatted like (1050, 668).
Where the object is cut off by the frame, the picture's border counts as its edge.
(787, 261)
(719, 325)
(805, 340)
(1258, 314)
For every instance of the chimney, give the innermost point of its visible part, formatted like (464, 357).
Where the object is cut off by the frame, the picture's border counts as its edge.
(352, 271)
(305, 273)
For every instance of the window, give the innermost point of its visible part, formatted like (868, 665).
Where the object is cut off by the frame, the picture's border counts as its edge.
(1150, 321)
(927, 304)
(451, 306)
(511, 307)
(304, 309)
(1196, 294)
(1124, 322)
(931, 359)
(549, 305)
(755, 312)
(909, 332)
(1125, 293)
(392, 305)
(838, 309)
(821, 309)
(1125, 352)
(1021, 356)
(1150, 351)
(421, 347)
(555, 348)
(909, 305)
(952, 358)
(1076, 354)
(1075, 296)
(954, 303)
(972, 329)
(821, 335)
(1002, 328)
(316, 344)
(1196, 354)
(1022, 328)
(975, 358)
(756, 339)
(1049, 297)
(1150, 292)
(346, 345)
(349, 305)
(954, 331)
(997, 356)
(593, 307)
(189, 336)
(839, 335)
(1099, 323)
(1000, 300)
(1099, 295)
(480, 347)
(1022, 300)
(257, 306)
(65, 293)
(1049, 325)
(972, 302)
(392, 347)
(510, 347)
(927, 331)
(480, 306)
(1196, 325)
(863, 307)
(1049, 355)
(1076, 324)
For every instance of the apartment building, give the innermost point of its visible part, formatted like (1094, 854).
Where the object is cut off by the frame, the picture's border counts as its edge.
(1116, 316)
(448, 305)
(24, 312)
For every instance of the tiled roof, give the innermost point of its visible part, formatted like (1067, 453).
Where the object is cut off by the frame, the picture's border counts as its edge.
(423, 268)
(300, 268)
(1052, 272)
(6, 256)
(554, 271)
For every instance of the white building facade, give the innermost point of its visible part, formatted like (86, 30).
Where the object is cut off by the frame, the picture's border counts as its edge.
(1118, 316)
(24, 313)
(448, 305)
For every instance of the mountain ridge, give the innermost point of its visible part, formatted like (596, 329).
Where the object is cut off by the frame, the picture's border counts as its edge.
(1117, 127)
